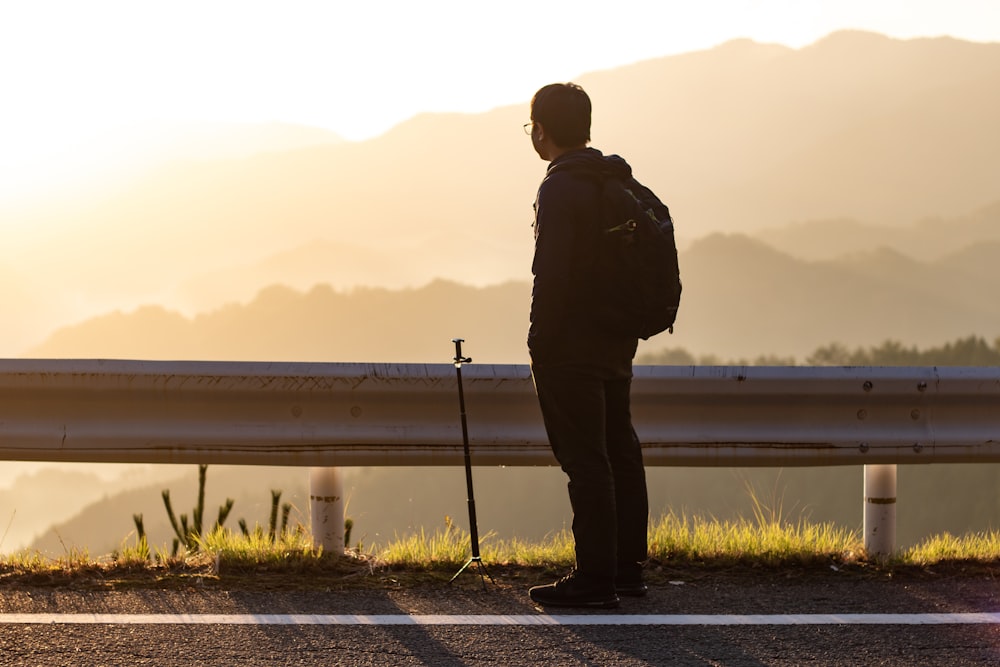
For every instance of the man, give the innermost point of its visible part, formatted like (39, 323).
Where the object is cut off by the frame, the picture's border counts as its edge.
(582, 367)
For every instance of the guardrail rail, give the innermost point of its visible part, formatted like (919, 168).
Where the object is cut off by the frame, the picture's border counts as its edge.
(330, 415)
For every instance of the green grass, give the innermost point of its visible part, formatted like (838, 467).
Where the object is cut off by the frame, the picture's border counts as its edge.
(676, 542)
(975, 547)
(746, 541)
(676, 539)
(452, 547)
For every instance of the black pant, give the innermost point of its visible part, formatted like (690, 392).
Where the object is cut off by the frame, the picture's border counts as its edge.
(589, 425)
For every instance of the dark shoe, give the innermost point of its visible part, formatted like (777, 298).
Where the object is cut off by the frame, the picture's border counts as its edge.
(632, 590)
(630, 584)
(577, 590)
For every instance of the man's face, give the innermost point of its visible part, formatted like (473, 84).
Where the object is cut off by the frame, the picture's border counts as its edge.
(538, 141)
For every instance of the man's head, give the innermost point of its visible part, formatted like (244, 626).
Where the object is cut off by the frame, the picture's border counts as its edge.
(560, 116)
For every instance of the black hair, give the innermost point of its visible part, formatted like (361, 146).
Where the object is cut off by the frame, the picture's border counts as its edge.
(563, 109)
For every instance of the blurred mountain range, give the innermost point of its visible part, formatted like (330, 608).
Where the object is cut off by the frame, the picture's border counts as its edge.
(742, 299)
(853, 143)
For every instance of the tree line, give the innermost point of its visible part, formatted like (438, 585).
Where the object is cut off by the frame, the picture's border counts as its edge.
(969, 351)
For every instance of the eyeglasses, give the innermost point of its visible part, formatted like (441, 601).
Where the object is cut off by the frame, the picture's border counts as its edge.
(528, 127)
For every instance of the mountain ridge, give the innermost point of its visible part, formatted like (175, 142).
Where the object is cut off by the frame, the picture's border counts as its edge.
(764, 302)
(737, 139)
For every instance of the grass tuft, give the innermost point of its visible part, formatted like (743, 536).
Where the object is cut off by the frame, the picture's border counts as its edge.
(974, 547)
(675, 542)
(452, 547)
(759, 541)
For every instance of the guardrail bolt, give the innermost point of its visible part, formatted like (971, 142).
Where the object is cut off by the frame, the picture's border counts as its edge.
(862, 414)
(867, 386)
(863, 447)
(917, 447)
(915, 413)
(921, 386)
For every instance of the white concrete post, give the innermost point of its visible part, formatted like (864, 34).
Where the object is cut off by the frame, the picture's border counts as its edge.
(326, 504)
(880, 509)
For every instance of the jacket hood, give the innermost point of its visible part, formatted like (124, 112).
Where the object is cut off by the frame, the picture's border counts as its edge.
(593, 161)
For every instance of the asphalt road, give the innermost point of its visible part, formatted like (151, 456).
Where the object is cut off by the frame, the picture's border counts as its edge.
(114, 644)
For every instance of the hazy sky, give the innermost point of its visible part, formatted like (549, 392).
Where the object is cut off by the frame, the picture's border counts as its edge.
(70, 70)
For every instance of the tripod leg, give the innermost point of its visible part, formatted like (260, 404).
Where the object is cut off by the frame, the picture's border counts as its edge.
(473, 528)
(484, 574)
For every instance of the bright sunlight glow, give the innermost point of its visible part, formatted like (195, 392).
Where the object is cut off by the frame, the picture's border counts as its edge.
(74, 72)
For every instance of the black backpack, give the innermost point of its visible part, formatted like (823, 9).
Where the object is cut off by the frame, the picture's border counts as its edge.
(641, 282)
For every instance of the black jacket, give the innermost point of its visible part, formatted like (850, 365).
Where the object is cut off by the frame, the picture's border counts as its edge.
(565, 314)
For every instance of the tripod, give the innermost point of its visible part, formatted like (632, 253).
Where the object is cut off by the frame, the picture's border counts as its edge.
(473, 530)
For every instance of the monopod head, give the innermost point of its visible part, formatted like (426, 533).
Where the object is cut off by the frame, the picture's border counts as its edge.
(459, 359)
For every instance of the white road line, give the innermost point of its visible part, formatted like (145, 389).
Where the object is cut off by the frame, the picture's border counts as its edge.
(975, 618)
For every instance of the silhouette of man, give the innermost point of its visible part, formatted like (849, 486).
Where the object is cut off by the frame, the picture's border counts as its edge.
(581, 368)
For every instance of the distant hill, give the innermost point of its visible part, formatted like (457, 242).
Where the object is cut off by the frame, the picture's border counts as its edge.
(857, 125)
(35, 501)
(321, 324)
(340, 265)
(104, 524)
(738, 138)
(926, 238)
(742, 299)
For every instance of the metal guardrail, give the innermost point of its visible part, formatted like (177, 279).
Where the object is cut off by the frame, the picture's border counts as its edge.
(304, 414)
(326, 415)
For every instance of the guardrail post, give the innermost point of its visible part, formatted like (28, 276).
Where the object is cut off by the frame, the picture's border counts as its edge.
(326, 504)
(880, 509)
